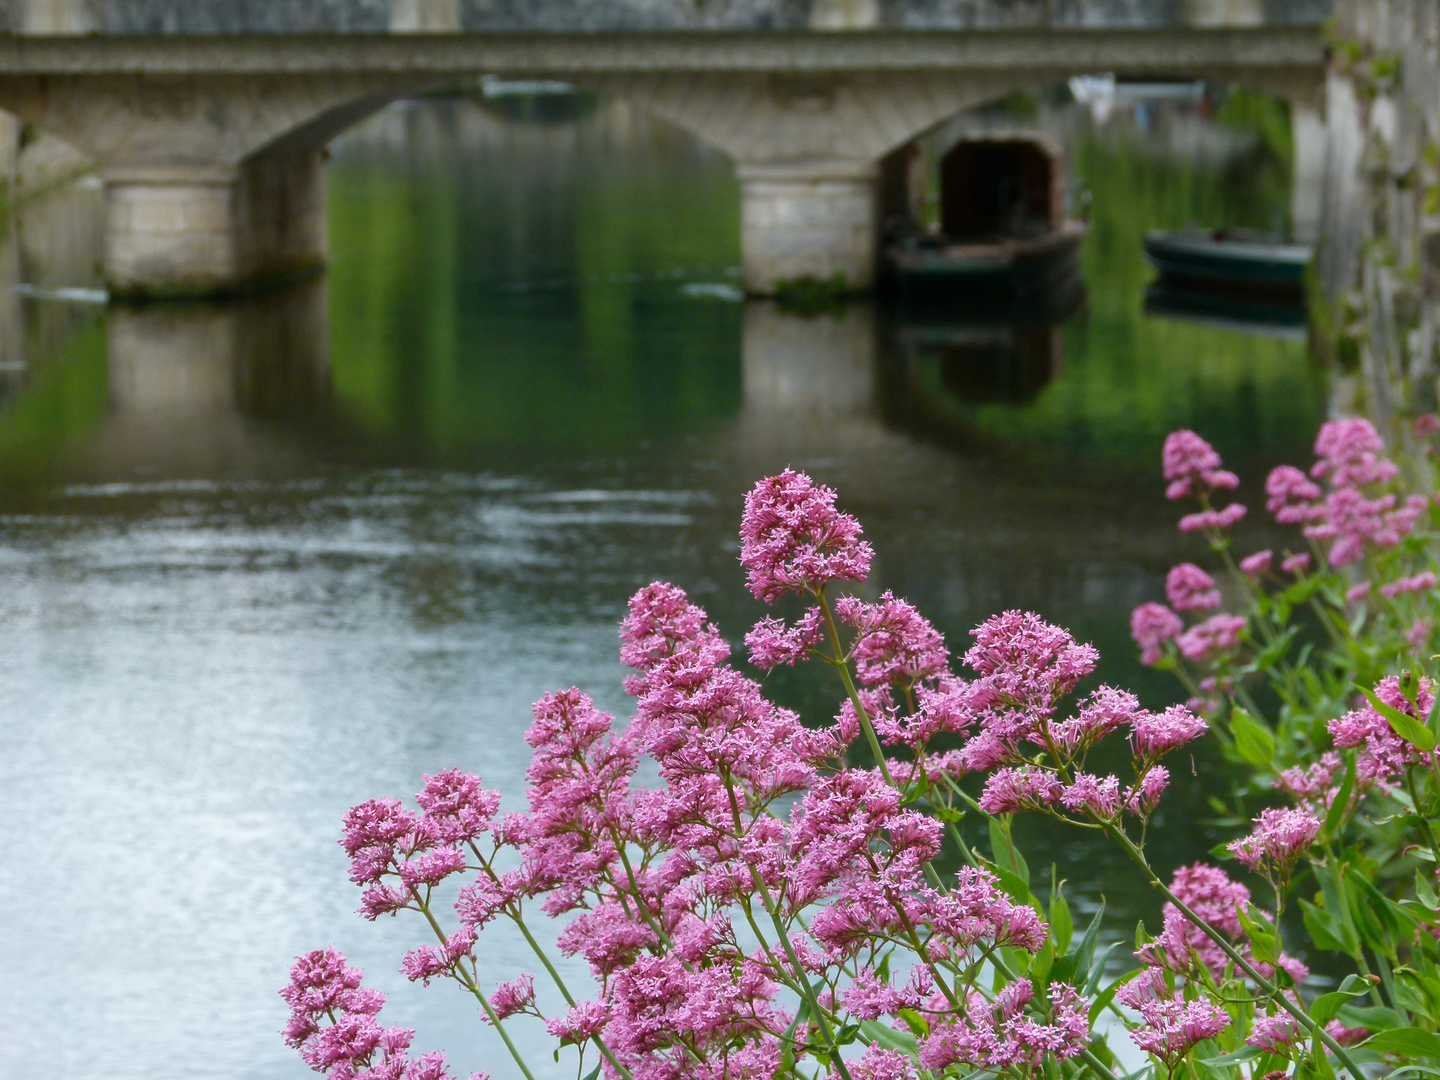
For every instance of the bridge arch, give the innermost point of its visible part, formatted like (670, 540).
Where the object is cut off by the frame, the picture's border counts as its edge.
(212, 148)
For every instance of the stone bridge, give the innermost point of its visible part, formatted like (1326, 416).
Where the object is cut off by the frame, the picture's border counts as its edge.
(208, 119)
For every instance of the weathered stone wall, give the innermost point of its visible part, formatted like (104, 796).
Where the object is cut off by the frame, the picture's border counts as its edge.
(1379, 264)
(361, 16)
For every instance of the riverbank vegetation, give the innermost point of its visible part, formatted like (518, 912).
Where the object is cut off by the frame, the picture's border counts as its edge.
(845, 896)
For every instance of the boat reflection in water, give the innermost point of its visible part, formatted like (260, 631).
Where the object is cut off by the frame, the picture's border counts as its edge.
(941, 358)
(1255, 315)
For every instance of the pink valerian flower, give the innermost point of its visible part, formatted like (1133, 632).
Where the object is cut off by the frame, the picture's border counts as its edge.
(1274, 1034)
(1353, 522)
(1153, 735)
(1295, 564)
(1010, 790)
(1349, 454)
(1099, 797)
(1151, 625)
(1384, 756)
(1001, 1034)
(773, 642)
(1189, 588)
(1024, 662)
(432, 961)
(877, 1063)
(1346, 1036)
(894, 643)
(661, 624)
(582, 1022)
(1358, 593)
(580, 799)
(1291, 496)
(870, 997)
(1421, 582)
(1210, 520)
(1312, 784)
(1257, 565)
(1172, 1027)
(515, 996)
(659, 1010)
(1419, 633)
(1144, 796)
(793, 539)
(1212, 895)
(1280, 837)
(1192, 466)
(1105, 710)
(333, 1024)
(1426, 424)
(1217, 635)
(456, 807)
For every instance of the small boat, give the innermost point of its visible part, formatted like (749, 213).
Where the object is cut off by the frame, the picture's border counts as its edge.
(1229, 261)
(1002, 236)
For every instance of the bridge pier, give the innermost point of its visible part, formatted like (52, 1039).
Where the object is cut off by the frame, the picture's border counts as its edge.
(197, 230)
(810, 220)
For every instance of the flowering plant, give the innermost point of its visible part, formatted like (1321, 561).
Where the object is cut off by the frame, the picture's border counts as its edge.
(775, 909)
(1317, 694)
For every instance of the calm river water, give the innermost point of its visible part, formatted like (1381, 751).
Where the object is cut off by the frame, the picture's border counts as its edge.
(259, 562)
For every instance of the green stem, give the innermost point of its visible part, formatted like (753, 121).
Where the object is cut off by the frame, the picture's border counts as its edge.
(464, 979)
(1424, 821)
(1266, 986)
(842, 664)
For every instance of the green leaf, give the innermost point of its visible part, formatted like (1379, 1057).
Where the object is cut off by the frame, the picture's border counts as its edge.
(1103, 999)
(1253, 741)
(1406, 1042)
(1327, 1006)
(888, 1037)
(1040, 967)
(1407, 727)
(1097, 969)
(1327, 931)
(1341, 802)
(1423, 891)
(1005, 854)
(917, 1024)
(1372, 1017)
(593, 1073)
(1061, 928)
(1016, 886)
(1245, 1053)
(1260, 931)
(1373, 913)
(1267, 657)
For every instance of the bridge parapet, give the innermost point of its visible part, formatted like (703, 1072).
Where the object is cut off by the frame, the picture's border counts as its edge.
(165, 17)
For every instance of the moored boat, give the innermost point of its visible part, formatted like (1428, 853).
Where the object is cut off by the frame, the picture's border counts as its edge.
(1002, 235)
(1229, 261)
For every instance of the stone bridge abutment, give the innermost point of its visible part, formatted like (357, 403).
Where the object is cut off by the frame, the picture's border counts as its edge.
(212, 147)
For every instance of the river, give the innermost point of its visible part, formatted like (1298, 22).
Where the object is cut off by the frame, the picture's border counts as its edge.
(261, 561)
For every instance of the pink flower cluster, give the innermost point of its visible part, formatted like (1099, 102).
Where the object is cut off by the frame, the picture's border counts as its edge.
(1351, 522)
(764, 869)
(1278, 840)
(794, 540)
(1383, 755)
(1193, 468)
(334, 1025)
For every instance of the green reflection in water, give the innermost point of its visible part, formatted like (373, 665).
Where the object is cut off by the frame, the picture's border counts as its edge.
(1127, 379)
(58, 410)
(501, 283)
